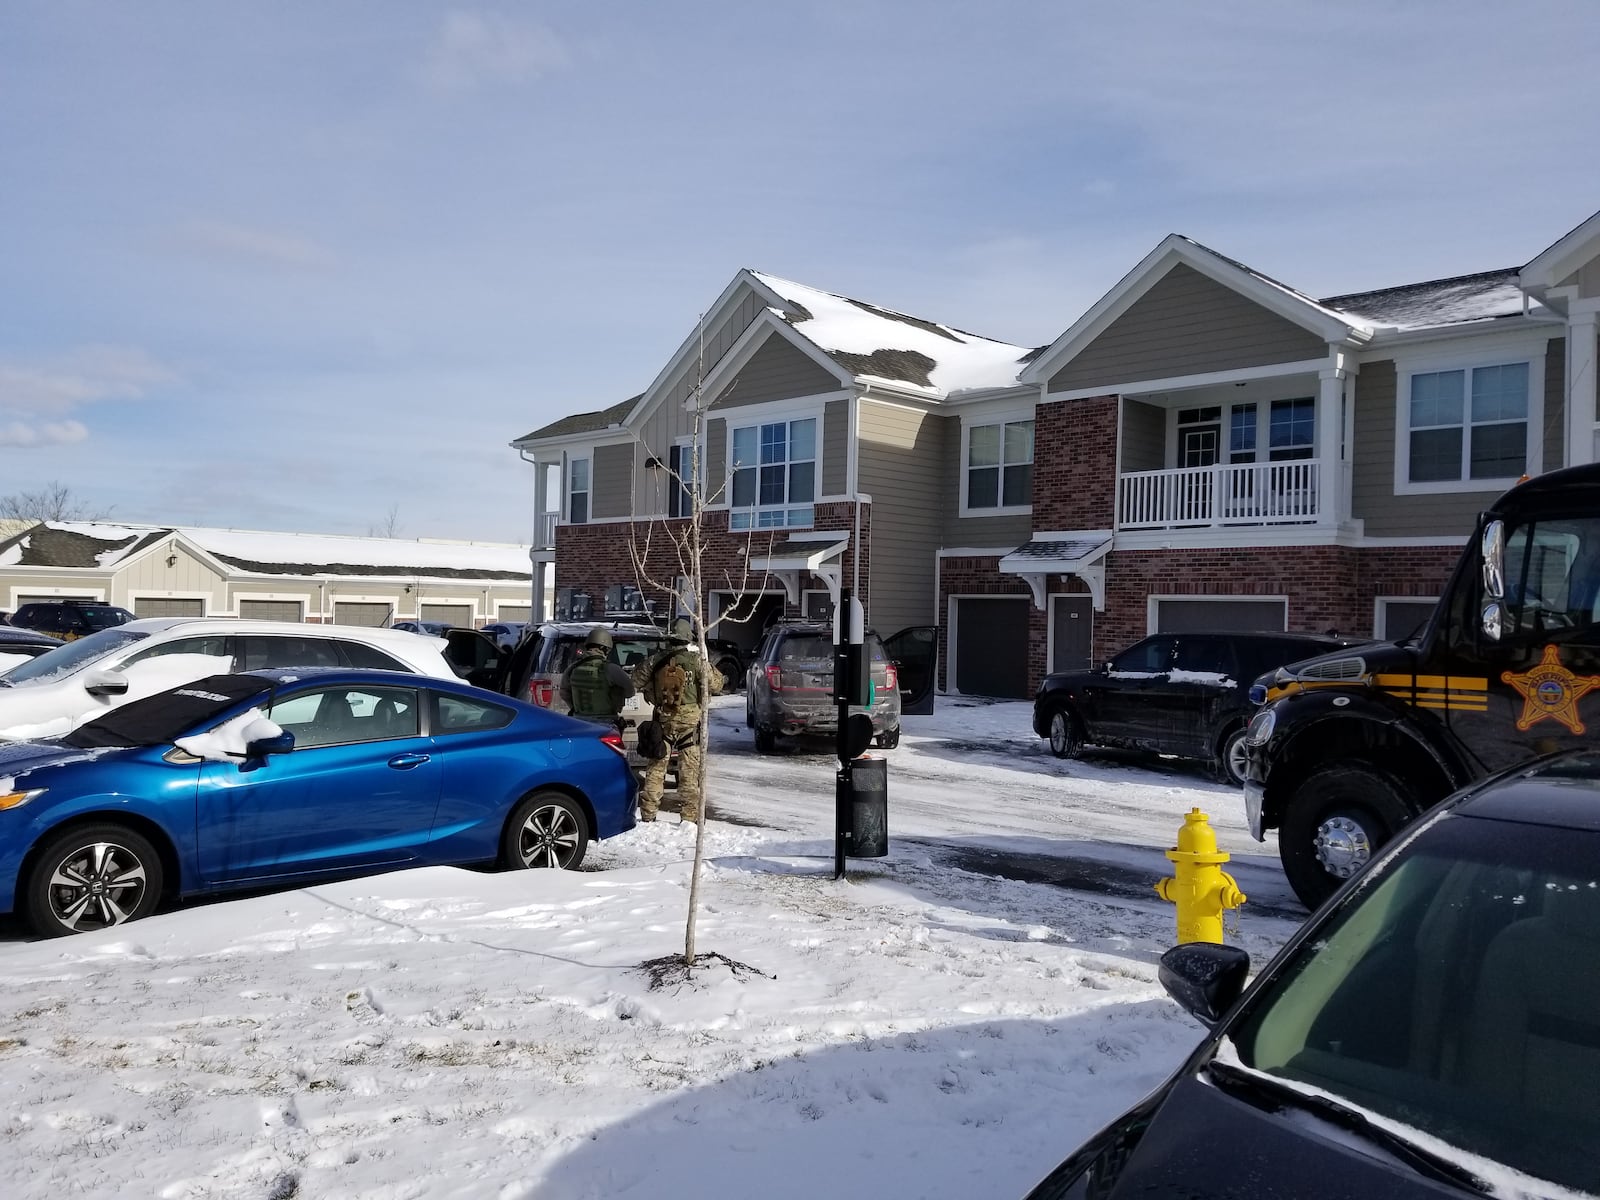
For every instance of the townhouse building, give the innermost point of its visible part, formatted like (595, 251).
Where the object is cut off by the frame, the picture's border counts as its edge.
(1205, 447)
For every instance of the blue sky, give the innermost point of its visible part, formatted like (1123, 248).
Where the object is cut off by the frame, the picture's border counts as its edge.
(288, 265)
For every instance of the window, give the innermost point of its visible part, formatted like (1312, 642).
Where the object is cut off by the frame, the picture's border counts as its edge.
(578, 491)
(774, 475)
(1153, 656)
(680, 479)
(458, 714)
(339, 716)
(1000, 465)
(361, 655)
(213, 646)
(1291, 429)
(1242, 434)
(1468, 424)
(261, 653)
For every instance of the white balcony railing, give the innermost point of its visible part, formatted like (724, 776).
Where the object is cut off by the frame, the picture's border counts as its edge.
(1279, 493)
(544, 531)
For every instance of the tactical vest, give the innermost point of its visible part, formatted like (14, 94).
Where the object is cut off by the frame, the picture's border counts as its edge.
(591, 690)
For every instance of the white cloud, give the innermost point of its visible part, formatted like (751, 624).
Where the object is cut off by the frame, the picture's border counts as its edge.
(36, 400)
(478, 49)
(48, 433)
(275, 247)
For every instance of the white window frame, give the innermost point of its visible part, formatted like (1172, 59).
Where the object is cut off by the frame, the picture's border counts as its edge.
(988, 421)
(685, 446)
(1380, 611)
(1499, 355)
(587, 492)
(754, 418)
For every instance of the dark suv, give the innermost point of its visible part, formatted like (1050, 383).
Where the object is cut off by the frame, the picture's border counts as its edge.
(1184, 694)
(789, 687)
(67, 619)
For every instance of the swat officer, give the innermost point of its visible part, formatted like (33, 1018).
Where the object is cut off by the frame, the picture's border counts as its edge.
(678, 682)
(594, 687)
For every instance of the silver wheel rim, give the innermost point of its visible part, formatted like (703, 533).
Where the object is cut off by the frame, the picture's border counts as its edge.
(96, 886)
(1059, 739)
(1343, 846)
(548, 838)
(1238, 757)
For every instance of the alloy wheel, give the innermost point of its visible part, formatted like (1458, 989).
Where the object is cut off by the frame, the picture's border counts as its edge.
(96, 886)
(549, 837)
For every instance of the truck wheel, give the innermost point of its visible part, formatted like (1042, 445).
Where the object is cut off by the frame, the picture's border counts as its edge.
(766, 740)
(1065, 738)
(1231, 760)
(1337, 820)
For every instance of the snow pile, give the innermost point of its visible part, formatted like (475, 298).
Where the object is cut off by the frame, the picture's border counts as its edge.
(230, 741)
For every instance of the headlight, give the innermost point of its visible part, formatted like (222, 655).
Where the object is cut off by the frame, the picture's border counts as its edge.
(1261, 727)
(18, 799)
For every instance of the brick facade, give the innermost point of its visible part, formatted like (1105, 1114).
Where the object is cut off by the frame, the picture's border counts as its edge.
(1075, 464)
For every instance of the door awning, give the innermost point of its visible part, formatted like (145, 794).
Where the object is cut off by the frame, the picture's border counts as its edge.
(792, 556)
(1078, 552)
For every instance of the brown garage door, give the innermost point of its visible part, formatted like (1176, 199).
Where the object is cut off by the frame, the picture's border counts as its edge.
(351, 612)
(459, 615)
(271, 610)
(992, 647)
(168, 606)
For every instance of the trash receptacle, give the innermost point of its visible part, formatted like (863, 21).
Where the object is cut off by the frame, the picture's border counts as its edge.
(869, 808)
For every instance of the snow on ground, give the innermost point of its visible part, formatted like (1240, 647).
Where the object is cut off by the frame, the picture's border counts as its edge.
(924, 1027)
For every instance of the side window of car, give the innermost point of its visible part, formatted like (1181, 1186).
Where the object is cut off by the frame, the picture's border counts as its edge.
(459, 714)
(213, 646)
(369, 658)
(341, 716)
(1152, 656)
(1203, 656)
(630, 652)
(261, 651)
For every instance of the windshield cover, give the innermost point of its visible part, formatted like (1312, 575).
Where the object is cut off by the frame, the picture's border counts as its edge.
(72, 657)
(157, 720)
(1455, 994)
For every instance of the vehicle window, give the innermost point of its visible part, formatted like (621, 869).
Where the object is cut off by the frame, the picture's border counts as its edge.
(805, 647)
(260, 651)
(1455, 994)
(369, 658)
(459, 714)
(339, 716)
(1153, 656)
(1553, 578)
(101, 618)
(559, 653)
(214, 646)
(1204, 656)
(630, 652)
(74, 656)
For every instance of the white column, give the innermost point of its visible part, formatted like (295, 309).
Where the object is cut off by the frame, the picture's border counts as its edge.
(1332, 501)
(1582, 434)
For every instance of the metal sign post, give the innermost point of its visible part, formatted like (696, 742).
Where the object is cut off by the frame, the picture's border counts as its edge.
(849, 634)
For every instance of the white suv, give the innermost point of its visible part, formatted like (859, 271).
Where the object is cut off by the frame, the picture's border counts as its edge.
(50, 695)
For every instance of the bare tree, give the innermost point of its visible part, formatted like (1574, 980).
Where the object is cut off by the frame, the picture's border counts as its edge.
(388, 527)
(53, 501)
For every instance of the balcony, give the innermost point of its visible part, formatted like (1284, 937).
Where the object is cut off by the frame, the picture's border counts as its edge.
(1274, 493)
(544, 531)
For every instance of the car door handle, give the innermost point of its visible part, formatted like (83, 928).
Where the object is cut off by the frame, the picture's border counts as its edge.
(404, 762)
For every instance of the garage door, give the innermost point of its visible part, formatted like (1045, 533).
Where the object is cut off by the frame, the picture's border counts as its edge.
(991, 655)
(1221, 616)
(271, 610)
(459, 615)
(514, 612)
(166, 606)
(21, 600)
(351, 612)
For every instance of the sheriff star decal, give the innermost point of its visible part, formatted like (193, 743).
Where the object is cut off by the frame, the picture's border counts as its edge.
(1551, 691)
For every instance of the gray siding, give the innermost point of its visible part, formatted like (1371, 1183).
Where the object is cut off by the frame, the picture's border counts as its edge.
(1144, 436)
(1002, 533)
(716, 461)
(1186, 324)
(611, 481)
(1373, 500)
(777, 371)
(897, 446)
(1555, 404)
(150, 573)
(836, 448)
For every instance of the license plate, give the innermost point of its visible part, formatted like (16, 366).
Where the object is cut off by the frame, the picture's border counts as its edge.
(1254, 795)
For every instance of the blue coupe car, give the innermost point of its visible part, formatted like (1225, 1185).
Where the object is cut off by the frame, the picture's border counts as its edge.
(250, 780)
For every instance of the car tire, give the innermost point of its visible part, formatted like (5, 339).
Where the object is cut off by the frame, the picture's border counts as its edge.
(547, 829)
(733, 676)
(1066, 735)
(1335, 822)
(1231, 760)
(93, 877)
(766, 740)
(889, 738)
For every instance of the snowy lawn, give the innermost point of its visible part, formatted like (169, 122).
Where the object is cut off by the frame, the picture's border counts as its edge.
(918, 1029)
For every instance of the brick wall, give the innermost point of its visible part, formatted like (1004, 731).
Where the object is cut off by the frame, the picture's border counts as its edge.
(1075, 464)
(978, 576)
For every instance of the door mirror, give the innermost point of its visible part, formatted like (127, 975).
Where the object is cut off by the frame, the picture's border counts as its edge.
(261, 747)
(1493, 550)
(105, 683)
(1205, 978)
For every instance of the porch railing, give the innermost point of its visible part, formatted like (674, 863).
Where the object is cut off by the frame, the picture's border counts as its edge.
(544, 531)
(1278, 493)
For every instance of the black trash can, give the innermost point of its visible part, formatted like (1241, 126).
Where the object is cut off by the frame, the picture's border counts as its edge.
(869, 808)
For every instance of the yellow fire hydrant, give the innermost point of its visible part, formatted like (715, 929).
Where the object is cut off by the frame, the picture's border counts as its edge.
(1201, 889)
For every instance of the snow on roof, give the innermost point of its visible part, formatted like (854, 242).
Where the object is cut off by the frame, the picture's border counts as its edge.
(879, 343)
(1481, 297)
(103, 546)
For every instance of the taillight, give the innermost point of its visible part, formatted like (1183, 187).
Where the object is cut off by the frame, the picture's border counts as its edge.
(775, 679)
(614, 740)
(542, 692)
(892, 680)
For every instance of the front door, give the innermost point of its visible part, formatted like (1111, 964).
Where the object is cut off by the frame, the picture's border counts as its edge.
(915, 654)
(1071, 633)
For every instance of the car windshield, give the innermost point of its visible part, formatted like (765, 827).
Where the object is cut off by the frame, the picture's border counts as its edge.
(1455, 995)
(103, 618)
(74, 656)
(157, 720)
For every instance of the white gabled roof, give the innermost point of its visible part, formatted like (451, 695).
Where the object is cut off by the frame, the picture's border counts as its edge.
(1564, 257)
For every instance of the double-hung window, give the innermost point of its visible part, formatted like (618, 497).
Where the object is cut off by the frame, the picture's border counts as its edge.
(1291, 429)
(1467, 424)
(680, 479)
(1000, 465)
(578, 491)
(774, 475)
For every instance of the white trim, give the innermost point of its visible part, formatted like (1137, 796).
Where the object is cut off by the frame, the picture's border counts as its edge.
(1231, 538)
(1134, 389)
(990, 419)
(953, 640)
(1492, 352)
(1562, 257)
(689, 348)
(95, 595)
(974, 551)
(204, 597)
(567, 489)
(1152, 604)
(1050, 628)
(788, 412)
(1379, 621)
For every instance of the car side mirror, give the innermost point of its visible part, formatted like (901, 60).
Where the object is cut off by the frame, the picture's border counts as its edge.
(105, 683)
(1205, 978)
(261, 747)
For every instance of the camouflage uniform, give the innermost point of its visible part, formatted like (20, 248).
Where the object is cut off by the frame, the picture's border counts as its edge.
(681, 728)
